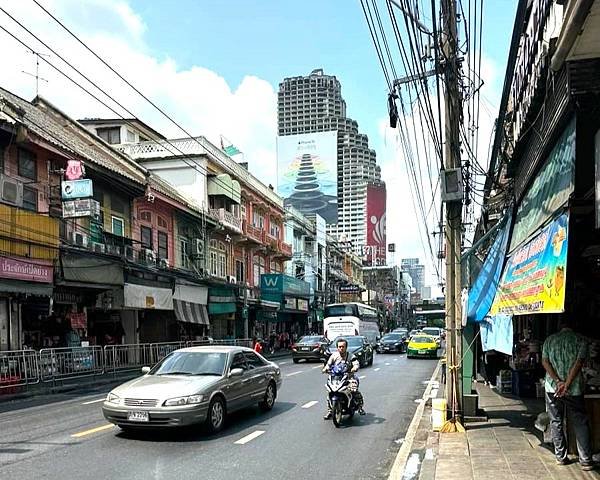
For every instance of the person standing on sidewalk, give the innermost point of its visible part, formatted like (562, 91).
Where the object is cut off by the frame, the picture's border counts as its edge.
(563, 356)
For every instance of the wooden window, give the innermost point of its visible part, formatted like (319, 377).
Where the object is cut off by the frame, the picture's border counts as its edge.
(146, 237)
(162, 223)
(30, 199)
(110, 135)
(118, 226)
(146, 216)
(27, 164)
(163, 245)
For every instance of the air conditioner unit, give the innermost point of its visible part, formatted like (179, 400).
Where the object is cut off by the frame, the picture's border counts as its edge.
(11, 191)
(114, 249)
(80, 239)
(97, 247)
(149, 256)
(164, 263)
(128, 252)
(198, 246)
(231, 279)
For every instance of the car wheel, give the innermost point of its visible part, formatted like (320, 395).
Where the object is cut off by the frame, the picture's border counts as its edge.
(269, 399)
(216, 415)
(296, 360)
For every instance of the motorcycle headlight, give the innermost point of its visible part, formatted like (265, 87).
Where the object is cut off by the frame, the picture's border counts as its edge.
(359, 353)
(178, 401)
(112, 398)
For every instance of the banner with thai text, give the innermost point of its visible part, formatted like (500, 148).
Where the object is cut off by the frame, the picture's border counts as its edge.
(534, 276)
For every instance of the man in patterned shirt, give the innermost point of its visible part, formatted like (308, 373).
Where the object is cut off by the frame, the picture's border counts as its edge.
(563, 356)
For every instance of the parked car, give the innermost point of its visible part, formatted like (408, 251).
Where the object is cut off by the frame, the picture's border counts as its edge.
(310, 347)
(435, 332)
(357, 345)
(392, 342)
(194, 385)
(422, 345)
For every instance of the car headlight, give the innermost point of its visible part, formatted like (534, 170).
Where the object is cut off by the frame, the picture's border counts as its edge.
(112, 398)
(178, 401)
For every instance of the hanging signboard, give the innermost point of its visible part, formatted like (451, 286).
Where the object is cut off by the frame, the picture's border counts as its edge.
(533, 280)
(76, 189)
(87, 207)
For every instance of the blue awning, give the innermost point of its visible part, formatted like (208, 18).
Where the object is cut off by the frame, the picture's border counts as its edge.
(497, 334)
(483, 290)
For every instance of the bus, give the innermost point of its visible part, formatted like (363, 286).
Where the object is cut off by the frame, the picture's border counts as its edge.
(351, 319)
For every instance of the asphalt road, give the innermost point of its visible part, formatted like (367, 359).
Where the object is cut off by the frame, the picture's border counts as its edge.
(68, 438)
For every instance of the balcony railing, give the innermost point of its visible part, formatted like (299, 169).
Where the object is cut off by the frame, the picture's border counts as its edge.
(285, 249)
(252, 232)
(228, 219)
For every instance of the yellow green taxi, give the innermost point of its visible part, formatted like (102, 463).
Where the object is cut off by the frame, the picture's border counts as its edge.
(422, 346)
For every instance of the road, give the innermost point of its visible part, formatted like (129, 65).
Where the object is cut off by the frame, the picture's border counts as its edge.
(68, 437)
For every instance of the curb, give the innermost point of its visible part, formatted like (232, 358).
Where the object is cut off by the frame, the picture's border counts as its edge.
(397, 471)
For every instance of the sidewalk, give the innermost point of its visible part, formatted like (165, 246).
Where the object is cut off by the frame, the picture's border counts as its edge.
(505, 447)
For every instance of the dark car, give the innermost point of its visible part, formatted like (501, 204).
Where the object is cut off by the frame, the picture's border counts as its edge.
(309, 347)
(392, 342)
(357, 345)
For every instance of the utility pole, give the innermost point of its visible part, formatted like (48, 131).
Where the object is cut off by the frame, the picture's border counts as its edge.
(453, 107)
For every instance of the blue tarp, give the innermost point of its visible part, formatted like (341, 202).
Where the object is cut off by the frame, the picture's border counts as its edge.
(497, 333)
(483, 291)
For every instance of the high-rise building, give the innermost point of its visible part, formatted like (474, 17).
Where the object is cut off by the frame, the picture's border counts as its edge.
(416, 271)
(314, 103)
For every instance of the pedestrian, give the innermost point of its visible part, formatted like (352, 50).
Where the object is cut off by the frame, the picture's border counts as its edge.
(563, 355)
(256, 345)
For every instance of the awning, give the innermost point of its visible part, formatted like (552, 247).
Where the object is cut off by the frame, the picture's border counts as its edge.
(497, 334)
(191, 293)
(220, 308)
(189, 312)
(88, 269)
(269, 305)
(223, 185)
(29, 288)
(483, 290)
(142, 296)
(221, 295)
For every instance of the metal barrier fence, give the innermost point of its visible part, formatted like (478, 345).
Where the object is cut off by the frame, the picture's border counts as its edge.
(25, 367)
(17, 368)
(63, 363)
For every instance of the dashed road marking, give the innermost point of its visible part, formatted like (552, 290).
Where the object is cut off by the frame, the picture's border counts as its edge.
(362, 376)
(94, 401)
(93, 430)
(376, 369)
(310, 404)
(249, 438)
(395, 359)
(318, 366)
(294, 373)
(387, 364)
(283, 363)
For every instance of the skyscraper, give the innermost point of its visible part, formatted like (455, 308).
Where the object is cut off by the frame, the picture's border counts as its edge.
(416, 271)
(314, 103)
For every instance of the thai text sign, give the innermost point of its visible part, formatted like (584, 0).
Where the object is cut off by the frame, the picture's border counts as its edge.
(20, 270)
(76, 189)
(534, 277)
(87, 207)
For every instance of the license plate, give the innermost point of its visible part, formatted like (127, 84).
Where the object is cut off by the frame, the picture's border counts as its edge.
(422, 352)
(305, 348)
(138, 416)
(386, 348)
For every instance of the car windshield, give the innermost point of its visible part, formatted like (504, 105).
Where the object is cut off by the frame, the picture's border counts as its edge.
(191, 363)
(423, 339)
(309, 339)
(400, 332)
(352, 341)
(392, 336)
(431, 331)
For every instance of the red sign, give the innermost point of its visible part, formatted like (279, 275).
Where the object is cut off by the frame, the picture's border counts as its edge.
(74, 170)
(376, 238)
(78, 320)
(23, 270)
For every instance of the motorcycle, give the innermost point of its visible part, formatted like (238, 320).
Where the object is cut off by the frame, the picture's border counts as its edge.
(341, 386)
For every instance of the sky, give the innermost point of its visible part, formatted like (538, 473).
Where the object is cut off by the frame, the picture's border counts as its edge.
(215, 66)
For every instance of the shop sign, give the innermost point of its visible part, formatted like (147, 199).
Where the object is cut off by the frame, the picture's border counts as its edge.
(67, 298)
(74, 170)
(76, 189)
(87, 207)
(533, 280)
(78, 320)
(303, 305)
(290, 303)
(19, 270)
(350, 289)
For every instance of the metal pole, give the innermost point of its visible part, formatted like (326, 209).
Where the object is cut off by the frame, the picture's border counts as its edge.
(453, 209)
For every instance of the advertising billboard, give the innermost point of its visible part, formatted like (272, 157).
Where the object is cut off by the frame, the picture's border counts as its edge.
(307, 173)
(375, 251)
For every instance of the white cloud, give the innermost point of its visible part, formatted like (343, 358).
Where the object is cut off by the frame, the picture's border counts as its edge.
(197, 98)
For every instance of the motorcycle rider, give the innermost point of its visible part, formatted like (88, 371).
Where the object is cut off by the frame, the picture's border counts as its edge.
(343, 356)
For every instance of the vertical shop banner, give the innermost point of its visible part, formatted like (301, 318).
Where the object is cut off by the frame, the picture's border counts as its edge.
(376, 234)
(534, 276)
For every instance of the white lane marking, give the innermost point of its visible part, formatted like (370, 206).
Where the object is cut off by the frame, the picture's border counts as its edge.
(376, 369)
(310, 404)
(318, 366)
(362, 376)
(94, 401)
(387, 364)
(395, 359)
(92, 430)
(283, 363)
(249, 438)
(294, 373)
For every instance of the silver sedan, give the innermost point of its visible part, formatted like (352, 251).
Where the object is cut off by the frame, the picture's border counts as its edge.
(194, 385)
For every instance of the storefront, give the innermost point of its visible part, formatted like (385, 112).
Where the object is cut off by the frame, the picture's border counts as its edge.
(221, 311)
(293, 296)
(190, 307)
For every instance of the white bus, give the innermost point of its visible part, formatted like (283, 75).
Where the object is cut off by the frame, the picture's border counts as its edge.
(350, 319)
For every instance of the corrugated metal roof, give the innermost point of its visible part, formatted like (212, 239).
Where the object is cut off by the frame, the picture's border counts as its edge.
(53, 126)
